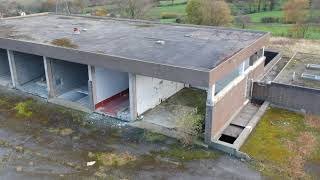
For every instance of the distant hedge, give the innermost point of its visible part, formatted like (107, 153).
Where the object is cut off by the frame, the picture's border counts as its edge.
(169, 15)
(271, 20)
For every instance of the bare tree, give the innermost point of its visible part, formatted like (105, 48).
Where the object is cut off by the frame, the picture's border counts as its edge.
(135, 9)
(295, 11)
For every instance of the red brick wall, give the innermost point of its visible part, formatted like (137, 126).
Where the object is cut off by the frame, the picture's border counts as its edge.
(228, 105)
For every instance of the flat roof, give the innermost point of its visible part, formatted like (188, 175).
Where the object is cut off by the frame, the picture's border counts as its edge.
(298, 65)
(186, 47)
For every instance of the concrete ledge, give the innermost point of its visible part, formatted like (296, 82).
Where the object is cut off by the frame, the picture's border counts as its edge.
(251, 125)
(229, 149)
(71, 105)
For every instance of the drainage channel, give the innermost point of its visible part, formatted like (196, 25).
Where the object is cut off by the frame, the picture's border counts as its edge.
(239, 123)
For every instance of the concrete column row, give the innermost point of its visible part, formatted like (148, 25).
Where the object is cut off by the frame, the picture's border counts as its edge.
(48, 67)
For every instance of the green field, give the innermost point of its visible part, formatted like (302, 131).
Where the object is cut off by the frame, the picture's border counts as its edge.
(275, 29)
(312, 33)
(170, 3)
(256, 17)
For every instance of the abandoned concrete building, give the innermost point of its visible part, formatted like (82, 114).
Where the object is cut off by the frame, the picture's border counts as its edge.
(124, 68)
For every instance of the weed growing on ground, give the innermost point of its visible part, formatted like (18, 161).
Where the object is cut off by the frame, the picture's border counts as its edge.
(189, 127)
(113, 159)
(23, 109)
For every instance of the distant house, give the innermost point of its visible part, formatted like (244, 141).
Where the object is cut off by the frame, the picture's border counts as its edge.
(124, 68)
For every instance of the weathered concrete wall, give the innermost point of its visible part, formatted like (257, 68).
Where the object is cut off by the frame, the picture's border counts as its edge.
(109, 83)
(152, 91)
(28, 67)
(288, 96)
(228, 104)
(68, 76)
(4, 63)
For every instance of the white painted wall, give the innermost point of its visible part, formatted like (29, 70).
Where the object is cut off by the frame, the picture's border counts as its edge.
(152, 91)
(109, 83)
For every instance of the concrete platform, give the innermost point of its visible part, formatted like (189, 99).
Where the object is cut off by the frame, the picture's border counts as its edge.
(78, 95)
(241, 120)
(5, 80)
(36, 87)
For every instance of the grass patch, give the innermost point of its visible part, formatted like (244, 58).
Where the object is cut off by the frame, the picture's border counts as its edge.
(282, 143)
(183, 153)
(256, 17)
(113, 159)
(64, 42)
(23, 109)
(154, 137)
(284, 31)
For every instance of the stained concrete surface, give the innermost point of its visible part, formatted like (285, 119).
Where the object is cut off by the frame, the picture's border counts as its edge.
(275, 70)
(168, 113)
(297, 66)
(36, 148)
(240, 121)
(37, 87)
(206, 47)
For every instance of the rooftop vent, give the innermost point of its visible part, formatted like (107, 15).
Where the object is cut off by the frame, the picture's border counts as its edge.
(313, 66)
(310, 77)
(161, 42)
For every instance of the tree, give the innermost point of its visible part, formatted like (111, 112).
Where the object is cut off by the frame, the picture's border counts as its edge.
(208, 12)
(193, 12)
(48, 5)
(295, 11)
(135, 9)
(101, 12)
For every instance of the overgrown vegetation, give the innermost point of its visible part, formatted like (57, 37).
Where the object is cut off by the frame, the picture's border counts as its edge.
(189, 126)
(208, 12)
(114, 159)
(64, 42)
(282, 143)
(23, 109)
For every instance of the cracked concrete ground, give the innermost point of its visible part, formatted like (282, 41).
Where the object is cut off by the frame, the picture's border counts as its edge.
(56, 144)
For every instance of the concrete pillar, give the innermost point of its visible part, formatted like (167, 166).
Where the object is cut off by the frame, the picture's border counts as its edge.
(49, 77)
(13, 69)
(133, 96)
(91, 88)
(209, 113)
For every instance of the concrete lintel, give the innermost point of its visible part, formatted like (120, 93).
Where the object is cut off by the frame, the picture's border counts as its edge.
(133, 96)
(13, 69)
(195, 77)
